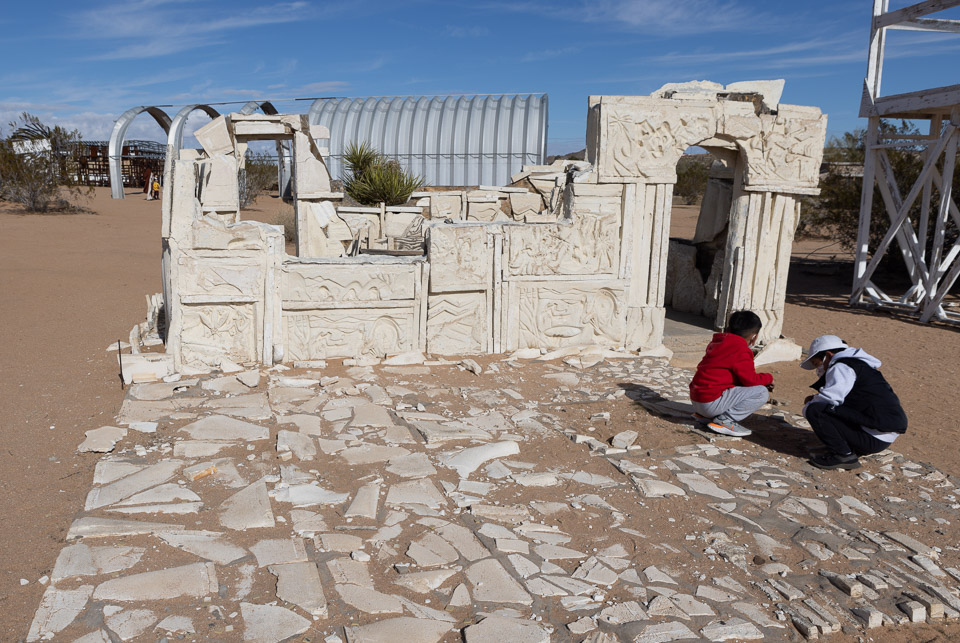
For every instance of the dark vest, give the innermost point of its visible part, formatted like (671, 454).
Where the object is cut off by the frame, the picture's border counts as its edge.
(871, 402)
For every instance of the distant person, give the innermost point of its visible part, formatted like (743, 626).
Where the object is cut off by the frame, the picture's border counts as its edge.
(726, 387)
(155, 189)
(854, 412)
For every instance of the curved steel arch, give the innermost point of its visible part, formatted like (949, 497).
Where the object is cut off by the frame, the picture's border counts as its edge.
(453, 140)
(115, 149)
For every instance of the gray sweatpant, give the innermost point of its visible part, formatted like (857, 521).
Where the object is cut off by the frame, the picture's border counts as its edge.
(737, 402)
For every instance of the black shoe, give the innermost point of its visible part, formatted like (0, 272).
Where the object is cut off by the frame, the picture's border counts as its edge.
(835, 461)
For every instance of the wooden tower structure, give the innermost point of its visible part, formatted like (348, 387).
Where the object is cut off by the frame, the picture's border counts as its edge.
(933, 267)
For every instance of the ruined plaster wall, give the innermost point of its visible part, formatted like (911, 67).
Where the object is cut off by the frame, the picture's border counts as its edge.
(574, 254)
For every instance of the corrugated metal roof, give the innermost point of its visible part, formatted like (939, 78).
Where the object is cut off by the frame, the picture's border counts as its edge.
(449, 140)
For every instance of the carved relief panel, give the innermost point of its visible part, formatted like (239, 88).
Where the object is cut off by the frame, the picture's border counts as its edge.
(638, 137)
(211, 331)
(219, 278)
(457, 323)
(569, 313)
(331, 283)
(784, 150)
(461, 258)
(588, 245)
(352, 332)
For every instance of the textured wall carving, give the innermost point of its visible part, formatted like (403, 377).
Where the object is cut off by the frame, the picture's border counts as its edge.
(220, 278)
(457, 323)
(212, 331)
(325, 283)
(460, 258)
(588, 245)
(354, 332)
(569, 313)
(783, 150)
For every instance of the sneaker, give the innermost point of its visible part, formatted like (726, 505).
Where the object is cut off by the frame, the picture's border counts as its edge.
(726, 425)
(836, 461)
(700, 419)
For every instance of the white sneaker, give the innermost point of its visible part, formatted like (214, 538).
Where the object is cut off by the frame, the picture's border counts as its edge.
(726, 425)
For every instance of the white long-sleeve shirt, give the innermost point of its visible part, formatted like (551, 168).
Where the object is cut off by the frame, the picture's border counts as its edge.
(838, 382)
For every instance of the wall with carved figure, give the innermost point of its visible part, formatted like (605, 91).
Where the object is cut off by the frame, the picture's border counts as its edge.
(573, 253)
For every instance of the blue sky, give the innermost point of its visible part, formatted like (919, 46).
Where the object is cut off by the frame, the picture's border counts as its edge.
(81, 64)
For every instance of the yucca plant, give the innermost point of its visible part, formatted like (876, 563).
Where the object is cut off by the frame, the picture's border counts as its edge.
(372, 178)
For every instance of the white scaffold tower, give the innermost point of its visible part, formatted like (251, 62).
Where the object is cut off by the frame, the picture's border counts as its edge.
(933, 268)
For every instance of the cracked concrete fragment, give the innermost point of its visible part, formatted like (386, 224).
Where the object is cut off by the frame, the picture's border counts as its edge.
(404, 628)
(206, 544)
(500, 628)
(299, 583)
(270, 623)
(492, 583)
(196, 580)
(249, 508)
(58, 609)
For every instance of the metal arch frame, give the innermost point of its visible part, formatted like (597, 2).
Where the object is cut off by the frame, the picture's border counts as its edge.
(118, 135)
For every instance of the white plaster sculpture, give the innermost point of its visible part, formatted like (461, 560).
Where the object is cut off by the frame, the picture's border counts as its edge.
(573, 254)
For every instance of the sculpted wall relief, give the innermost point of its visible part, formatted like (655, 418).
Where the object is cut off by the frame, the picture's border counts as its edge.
(461, 258)
(569, 313)
(331, 283)
(640, 137)
(220, 277)
(587, 245)
(457, 323)
(352, 332)
(783, 151)
(211, 331)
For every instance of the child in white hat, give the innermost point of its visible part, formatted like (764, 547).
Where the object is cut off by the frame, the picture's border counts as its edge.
(854, 412)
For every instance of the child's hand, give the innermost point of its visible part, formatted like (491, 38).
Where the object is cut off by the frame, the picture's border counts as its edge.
(770, 387)
(808, 399)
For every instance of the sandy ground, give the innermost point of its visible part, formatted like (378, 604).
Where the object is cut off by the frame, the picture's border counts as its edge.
(72, 284)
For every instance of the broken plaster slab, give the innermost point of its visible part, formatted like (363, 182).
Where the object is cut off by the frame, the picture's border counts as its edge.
(101, 440)
(195, 580)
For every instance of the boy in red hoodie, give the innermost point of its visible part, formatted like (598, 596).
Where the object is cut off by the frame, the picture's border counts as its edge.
(726, 387)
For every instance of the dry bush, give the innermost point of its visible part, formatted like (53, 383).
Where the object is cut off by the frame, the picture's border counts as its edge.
(258, 175)
(33, 167)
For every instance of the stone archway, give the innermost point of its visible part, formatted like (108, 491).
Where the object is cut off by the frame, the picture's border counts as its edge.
(638, 140)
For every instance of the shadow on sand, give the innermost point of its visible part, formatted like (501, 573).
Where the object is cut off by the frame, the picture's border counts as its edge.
(769, 432)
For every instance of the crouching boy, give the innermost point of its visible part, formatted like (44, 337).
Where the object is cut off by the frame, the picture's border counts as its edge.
(855, 412)
(726, 387)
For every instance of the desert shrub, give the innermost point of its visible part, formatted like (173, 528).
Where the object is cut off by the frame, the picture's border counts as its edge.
(836, 212)
(258, 175)
(34, 162)
(372, 178)
(692, 177)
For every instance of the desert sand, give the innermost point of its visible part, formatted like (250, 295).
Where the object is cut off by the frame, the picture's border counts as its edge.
(74, 284)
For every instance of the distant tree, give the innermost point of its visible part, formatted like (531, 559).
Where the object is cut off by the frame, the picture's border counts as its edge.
(692, 172)
(35, 166)
(836, 212)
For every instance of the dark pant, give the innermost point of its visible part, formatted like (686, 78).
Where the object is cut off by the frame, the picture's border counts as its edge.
(841, 436)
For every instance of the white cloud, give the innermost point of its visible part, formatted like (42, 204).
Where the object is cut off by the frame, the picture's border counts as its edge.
(660, 17)
(149, 29)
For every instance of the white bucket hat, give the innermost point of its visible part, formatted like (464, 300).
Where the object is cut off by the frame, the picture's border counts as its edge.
(823, 343)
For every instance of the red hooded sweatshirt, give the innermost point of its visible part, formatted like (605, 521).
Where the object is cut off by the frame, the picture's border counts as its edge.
(728, 362)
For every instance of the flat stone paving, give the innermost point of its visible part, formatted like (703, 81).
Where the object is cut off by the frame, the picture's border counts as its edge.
(390, 505)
